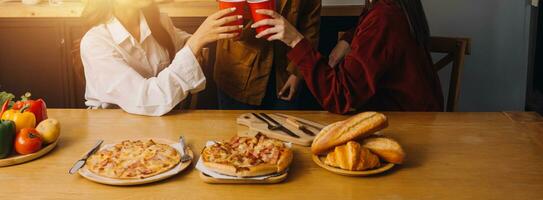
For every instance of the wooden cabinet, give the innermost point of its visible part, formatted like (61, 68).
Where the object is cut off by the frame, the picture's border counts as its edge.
(73, 31)
(32, 58)
(38, 55)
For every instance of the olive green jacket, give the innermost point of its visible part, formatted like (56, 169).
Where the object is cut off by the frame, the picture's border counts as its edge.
(243, 67)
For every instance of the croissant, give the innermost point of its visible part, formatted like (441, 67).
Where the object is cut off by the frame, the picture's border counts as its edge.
(352, 156)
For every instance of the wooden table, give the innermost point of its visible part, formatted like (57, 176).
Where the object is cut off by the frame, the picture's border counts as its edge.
(450, 156)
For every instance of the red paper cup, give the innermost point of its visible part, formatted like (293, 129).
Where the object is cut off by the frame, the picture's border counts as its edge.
(255, 5)
(240, 10)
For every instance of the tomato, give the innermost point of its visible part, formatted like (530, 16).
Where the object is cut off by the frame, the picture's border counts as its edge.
(28, 141)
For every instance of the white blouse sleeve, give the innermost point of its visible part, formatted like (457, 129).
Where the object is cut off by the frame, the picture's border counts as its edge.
(115, 82)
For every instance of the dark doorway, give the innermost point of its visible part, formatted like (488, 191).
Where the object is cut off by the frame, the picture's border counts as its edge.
(538, 65)
(534, 100)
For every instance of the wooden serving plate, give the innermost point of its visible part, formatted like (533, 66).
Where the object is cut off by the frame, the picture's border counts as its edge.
(86, 173)
(320, 161)
(271, 180)
(257, 126)
(18, 159)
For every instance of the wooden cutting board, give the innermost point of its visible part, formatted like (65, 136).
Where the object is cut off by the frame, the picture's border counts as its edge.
(257, 126)
(272, 180)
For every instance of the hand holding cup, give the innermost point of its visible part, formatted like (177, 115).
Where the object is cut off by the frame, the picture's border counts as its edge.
(255, 5)
(240, 10)
(281, 29)
(215, 28)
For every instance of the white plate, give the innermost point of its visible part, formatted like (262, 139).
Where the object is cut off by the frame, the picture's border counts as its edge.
(86, 173)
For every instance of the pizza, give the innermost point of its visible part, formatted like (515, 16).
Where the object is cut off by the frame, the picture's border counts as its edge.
(247, 156)
(133, 160)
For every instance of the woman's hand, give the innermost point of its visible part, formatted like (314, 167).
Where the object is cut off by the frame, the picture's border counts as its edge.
(281, 29)
(213, 29)
(291, 86)
(339, 52)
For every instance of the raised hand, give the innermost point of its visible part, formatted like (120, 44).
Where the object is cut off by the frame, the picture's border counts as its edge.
(213, 29)
(290, 89)
(281, 29)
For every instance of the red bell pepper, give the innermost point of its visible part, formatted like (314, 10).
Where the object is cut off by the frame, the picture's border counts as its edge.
(5, 107)
(38, 107)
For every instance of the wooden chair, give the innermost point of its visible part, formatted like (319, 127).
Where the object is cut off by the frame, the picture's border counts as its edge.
(455, 50)
(78, 74)
(191, 102)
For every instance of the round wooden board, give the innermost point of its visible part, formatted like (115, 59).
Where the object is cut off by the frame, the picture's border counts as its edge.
(320, 161)
(86, 173)
(19, 159)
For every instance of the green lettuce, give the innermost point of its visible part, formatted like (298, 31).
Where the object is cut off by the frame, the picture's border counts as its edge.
(4, 96)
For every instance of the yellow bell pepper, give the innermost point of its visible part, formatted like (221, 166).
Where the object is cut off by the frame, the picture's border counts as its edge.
(21, 118)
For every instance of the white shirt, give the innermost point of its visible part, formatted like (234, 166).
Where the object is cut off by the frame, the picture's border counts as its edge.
(137, 75)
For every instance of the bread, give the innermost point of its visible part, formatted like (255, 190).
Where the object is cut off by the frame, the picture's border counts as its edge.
(386, 148)
(352, 156)
(358, 126)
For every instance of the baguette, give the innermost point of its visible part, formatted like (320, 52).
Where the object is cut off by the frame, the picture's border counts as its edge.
(386, 148)
(358, 126)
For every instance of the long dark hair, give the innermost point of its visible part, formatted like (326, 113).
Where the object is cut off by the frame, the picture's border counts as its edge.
(416, 17)
(101, 11)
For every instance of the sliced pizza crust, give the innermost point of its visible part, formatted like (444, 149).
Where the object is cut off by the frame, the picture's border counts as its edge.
(239, 160)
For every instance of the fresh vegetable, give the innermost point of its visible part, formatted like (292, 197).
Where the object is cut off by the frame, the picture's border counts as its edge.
(49, 130)
(7, 137)
(6, 97)
(5, 107)
(28, 141)
(22, 118)
(38, 107)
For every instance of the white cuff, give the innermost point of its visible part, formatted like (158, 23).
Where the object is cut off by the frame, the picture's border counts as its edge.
(187, 66)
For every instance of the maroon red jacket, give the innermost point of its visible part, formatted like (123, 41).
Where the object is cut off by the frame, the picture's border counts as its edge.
(386, 69)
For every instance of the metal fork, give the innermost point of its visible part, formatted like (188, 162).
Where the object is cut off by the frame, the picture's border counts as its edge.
(184, 156)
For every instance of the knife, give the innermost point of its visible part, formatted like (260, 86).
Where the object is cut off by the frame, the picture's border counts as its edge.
(279, 126)
(80, 163)
(299, 126)
(300, 121)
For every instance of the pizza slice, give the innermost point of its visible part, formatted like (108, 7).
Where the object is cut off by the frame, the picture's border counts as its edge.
(248, 156)
(133, 160)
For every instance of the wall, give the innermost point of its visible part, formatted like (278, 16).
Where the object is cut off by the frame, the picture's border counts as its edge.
(494, 77)
(342, 2)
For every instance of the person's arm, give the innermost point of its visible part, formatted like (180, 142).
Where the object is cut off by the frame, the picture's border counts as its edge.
(114, 81)
(179, 36)
(348, 36)
(356, 79)
(309, 26)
